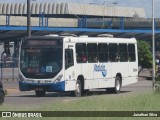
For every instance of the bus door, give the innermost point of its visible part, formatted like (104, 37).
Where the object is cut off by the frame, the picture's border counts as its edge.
(69, 67)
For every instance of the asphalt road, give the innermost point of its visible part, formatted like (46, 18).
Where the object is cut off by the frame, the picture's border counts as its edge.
(15, 97)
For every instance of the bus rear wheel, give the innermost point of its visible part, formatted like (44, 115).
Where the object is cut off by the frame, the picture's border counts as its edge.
(117, 87)
(40, 93)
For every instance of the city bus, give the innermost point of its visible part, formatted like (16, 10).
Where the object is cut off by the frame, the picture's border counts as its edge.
(77, 64)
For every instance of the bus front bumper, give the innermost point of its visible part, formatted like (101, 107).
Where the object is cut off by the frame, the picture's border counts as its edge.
(49, 87)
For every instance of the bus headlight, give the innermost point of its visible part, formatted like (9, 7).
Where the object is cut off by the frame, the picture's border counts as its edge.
(59, 78)
(21, 78)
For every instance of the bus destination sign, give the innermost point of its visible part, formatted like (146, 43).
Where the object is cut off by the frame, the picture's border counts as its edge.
(41, 42)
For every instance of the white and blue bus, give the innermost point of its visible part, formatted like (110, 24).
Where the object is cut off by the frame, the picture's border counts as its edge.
(76, 64)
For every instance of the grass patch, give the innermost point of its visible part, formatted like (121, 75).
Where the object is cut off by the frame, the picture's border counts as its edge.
(121, 102)
(147, 101)
(126, 102)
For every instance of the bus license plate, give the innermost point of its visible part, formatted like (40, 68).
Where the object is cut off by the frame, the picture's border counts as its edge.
(39, 89)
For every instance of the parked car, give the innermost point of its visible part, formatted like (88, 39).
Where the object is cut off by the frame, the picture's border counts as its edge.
(2, 93)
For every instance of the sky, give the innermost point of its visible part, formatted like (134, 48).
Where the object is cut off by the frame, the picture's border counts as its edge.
(146, 4)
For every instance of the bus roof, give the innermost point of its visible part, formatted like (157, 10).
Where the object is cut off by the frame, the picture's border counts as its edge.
(87, 39)
(99, 40)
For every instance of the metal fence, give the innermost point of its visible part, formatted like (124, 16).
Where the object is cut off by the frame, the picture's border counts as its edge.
(9, 69)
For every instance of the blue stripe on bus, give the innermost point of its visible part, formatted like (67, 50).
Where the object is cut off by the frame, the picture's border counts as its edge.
(50, 87)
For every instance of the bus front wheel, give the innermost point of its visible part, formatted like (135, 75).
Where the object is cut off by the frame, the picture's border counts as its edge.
(78, 89)
(40, 93)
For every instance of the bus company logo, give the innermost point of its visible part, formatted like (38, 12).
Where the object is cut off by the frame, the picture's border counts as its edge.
(6, 114)
(21, 114)
(101, 68)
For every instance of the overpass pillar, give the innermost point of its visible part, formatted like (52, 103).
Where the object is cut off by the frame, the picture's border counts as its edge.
(41, 19)
(46, 21)
(82, 22)
(7, 20)
(122, 23)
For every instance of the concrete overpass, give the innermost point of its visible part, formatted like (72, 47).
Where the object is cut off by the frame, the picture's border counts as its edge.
(70, 10)
(79, 19)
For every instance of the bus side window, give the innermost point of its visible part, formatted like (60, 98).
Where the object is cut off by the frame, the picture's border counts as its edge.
(123, 55)
(131, 53)
(92, 53)
(81, 53)
(113, 52)
(103, 52)
(69, 61)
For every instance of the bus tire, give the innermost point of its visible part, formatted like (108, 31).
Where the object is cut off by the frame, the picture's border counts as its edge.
(117, 87)
(78, 89)
(118, 84)
(40, 93)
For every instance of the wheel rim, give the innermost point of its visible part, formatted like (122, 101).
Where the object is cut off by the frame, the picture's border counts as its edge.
(118, 86)
(78, 88)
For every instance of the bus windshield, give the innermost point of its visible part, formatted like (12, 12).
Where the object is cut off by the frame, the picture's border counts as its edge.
(41, 61)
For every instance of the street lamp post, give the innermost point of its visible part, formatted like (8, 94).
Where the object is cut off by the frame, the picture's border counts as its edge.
(29, 18)
(103, 12)
(153, 43)
(104, 7)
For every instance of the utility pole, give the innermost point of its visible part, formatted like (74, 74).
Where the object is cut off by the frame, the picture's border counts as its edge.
(103, 11)
(29, 18)
(153, 43)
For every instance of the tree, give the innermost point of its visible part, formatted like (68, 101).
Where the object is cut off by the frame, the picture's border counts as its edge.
(144, 55)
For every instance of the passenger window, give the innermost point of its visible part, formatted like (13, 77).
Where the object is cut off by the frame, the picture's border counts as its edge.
(92, 52)
(81, 53)
(123, 55)
(69, 61)
(103, 52)
(113, 52)
(131, 52)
